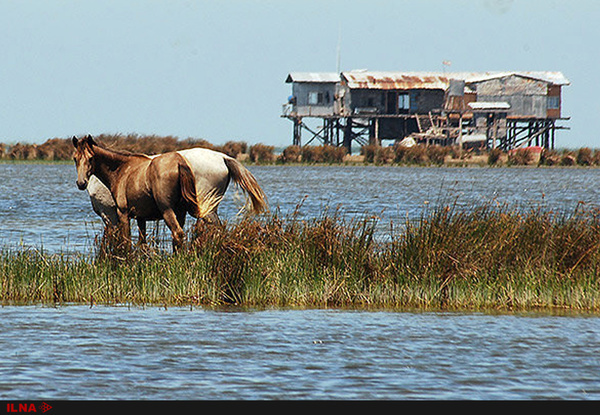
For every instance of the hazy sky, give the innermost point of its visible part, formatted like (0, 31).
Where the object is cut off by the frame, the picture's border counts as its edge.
(216, 69)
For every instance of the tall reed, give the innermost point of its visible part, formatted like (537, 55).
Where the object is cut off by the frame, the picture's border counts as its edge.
(487, 258)
(503, 258)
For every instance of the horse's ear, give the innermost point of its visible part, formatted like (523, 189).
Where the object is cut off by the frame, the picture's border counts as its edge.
(90, 139)
(74, 141)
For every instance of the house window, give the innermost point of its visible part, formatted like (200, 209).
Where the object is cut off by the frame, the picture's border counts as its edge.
(403, 102)
(315, 98)
(553, 103)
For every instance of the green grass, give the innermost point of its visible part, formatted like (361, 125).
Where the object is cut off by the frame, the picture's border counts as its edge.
(484, 259)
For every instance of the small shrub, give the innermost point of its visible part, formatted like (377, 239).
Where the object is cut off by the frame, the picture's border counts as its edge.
(596, 158)
(56, 149)
(416, 155)
(261, 153)
(549, 158)
(520, 157)
(323, 154)
(333, 154)
(291, 154)
(385, 155)
(312, 154)
(400, 153)
(568, 159)
(494, 156)
(369, 152)
(437, 154)
(23, 152)
(584, 157)
(233, 148)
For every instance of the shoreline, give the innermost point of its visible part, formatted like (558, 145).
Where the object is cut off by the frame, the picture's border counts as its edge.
(354, 162)
(61, 150)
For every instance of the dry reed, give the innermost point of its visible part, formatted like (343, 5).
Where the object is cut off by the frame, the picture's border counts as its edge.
(487, 258)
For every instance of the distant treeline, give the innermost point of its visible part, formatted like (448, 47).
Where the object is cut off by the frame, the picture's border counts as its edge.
(453, 155)
(62, 149)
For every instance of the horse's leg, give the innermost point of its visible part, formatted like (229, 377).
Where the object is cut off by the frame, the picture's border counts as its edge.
(178, 234)
(124, 231)
(181, 217)
(142, 231)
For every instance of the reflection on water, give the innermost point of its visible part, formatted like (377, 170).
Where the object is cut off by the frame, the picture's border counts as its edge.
(41, 206)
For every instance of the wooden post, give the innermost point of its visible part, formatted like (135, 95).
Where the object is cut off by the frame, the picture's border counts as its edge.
(297, 140)
(348, 135)
(326, 130)
(375, 138)
(460, 135)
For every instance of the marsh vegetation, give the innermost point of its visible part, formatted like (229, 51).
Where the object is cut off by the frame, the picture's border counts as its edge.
(60, 149)
(488, 258)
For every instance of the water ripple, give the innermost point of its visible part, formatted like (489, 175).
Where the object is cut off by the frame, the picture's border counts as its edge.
(40, 205)
(75, 352)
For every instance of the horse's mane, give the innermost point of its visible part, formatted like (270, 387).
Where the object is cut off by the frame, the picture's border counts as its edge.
(123, 153)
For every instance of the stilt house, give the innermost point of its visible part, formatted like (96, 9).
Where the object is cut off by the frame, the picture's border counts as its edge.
(491, 109)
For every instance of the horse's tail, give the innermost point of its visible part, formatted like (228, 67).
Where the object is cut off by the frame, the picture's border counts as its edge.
(243, 178)
(198, 206)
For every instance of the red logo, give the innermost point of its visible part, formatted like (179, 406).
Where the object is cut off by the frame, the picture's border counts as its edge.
(27, 407)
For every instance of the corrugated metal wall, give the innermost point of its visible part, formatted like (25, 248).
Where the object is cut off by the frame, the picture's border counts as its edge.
(527, 97)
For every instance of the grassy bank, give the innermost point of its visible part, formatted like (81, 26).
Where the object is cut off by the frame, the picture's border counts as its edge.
(489, 258)
(61, 149)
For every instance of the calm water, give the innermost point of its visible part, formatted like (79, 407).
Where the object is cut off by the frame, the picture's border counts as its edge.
(77, 352)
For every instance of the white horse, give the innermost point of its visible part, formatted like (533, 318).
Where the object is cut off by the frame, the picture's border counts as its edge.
(212, 170)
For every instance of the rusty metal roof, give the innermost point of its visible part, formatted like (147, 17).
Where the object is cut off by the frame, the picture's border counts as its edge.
(436, 80)
(395, 80)
(417, 80)
(554, 78)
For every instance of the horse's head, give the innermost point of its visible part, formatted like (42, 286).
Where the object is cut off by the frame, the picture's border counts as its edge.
(83, 157)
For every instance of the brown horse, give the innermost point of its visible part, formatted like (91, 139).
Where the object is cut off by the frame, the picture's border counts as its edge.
(143, 187)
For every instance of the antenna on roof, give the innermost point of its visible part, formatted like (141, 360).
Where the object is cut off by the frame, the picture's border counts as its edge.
(339, 49)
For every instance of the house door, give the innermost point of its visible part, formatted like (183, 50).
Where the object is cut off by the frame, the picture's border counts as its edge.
(391, 102)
